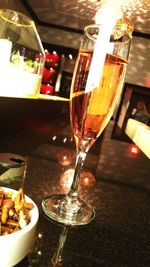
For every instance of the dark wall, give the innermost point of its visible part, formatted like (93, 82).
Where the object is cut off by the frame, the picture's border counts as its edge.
(18, 114)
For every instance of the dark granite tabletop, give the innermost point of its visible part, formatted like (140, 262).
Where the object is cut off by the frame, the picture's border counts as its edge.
(119, 236)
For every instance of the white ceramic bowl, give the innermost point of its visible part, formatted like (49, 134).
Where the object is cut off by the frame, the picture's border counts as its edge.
(14, 247)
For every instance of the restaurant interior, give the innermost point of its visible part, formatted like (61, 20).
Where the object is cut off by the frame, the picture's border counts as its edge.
(115, 178)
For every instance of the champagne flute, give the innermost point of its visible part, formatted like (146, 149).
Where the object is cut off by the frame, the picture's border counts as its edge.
(96, 87)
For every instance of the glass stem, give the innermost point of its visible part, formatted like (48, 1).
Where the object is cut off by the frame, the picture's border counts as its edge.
(80, 159)
(57, 258)
(70, 204)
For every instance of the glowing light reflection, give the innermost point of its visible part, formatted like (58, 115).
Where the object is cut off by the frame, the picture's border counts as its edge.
(70, 56)
(65, 157)
(134, 150)
(39, 252)
(71, 139)
(65, 140)
(40, 235)
(66, 179)
(87, 179)
(54, 137)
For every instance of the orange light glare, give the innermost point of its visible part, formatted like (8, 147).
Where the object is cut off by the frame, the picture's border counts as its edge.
(65, 157)
(87, 179)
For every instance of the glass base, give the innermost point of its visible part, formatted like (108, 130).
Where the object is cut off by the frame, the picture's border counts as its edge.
(52, 207)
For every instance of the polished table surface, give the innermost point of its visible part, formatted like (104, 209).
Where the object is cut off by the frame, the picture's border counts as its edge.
(119, 236)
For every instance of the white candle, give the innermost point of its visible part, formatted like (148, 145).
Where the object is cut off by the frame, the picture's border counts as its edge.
(20, 83)
(5, 51)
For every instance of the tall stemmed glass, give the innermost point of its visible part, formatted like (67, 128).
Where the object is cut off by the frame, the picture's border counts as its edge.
(96, 86)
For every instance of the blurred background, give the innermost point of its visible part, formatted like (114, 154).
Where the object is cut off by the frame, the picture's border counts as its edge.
(60, 25)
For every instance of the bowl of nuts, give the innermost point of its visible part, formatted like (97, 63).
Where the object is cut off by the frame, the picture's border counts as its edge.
(18, 219)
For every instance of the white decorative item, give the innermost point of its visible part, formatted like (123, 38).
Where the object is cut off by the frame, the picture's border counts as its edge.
(5, 51)
(140, 135)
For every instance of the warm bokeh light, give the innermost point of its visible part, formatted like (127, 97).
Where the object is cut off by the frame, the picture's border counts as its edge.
(87, 179)
(65, 140)
(65, 157)
(54, 137)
